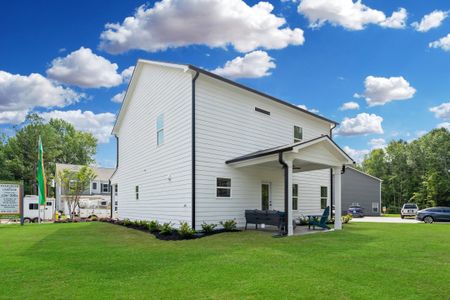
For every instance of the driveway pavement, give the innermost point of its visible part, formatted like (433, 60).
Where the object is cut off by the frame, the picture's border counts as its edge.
(385, 220)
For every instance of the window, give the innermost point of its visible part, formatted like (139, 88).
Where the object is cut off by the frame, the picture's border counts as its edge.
(94, 185)
(33, 206)
(375, 207)
(323, 197)
(223, 188)
(298, 134)
(105, 188)
(295, 197)
(48, 203)
(137, 192)
(104, 203)
(116, 189)
(160, 130)
(260, 110)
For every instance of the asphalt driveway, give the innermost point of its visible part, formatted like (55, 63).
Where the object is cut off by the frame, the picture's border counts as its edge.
(385, 220)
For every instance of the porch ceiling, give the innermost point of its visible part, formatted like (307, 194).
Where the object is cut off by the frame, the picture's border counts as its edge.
(314, 154)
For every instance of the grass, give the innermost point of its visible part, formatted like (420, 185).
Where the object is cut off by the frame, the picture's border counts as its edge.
(105, 261)
(391, 215)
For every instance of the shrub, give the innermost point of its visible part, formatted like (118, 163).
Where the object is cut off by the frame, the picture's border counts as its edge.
(208, 228)
(185, 230)
(93, 219)
(303, 221)
(166, 228)
(127, 222)
(153, 226)
(229, 225)
(143, 224)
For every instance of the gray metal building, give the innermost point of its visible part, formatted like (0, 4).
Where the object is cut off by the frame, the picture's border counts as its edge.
(359, 188)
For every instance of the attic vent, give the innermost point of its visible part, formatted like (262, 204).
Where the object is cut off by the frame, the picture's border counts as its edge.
(260, 110)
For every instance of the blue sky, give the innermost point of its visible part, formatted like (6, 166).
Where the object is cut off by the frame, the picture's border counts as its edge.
(330, 55)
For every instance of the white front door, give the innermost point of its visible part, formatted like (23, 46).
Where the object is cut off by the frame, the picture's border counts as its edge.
(266, 199)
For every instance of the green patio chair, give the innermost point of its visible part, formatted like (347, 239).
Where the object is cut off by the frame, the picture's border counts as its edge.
(322, 223)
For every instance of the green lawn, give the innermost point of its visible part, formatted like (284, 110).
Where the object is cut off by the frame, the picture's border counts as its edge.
(391, 215)
(100, 260)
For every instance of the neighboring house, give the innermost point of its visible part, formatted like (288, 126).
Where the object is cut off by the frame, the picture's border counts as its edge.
(359, 188)
(97, 195)
(196, 147)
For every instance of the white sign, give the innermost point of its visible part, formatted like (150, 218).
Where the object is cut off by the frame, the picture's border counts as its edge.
(9, 198)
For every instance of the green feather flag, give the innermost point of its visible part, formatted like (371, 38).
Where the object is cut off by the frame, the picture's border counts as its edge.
(42, 184)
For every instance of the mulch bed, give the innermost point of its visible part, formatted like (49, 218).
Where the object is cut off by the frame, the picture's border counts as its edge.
(173, 236)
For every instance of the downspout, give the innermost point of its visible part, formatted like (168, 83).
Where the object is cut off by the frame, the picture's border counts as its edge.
(331, 180)
(193, 148)
(111, 201)
(286, 187)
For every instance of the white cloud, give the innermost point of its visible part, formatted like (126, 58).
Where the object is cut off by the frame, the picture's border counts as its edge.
(127, 73)
(85, 69)
(381, 90)
(379, 143)
(19, 94)
(313, 110)
(179, 23)
(349, 105)
(363, 123)
(100, 125)
(253, 65)
(397, 20)
(13, 117)
(443, 43)
(118, 98)
(441, 111)
(348, 14)
(357, 155)
(445, 125)
(432, 20)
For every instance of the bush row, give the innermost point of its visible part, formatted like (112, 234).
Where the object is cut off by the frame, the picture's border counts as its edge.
(166, 231)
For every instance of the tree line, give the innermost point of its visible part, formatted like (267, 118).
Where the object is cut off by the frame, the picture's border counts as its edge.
(62, 144)
(418, 171)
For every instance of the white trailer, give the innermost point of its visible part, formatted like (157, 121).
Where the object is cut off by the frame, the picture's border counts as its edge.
(99, 207)
(31, 210)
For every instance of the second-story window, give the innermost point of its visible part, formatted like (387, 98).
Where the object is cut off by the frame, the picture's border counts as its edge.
(94, 185)
(298, 134)
(105, 188)
(160, 130)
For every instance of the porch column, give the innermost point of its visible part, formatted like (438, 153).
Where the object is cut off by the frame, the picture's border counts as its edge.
(337, 199)
(289, 193)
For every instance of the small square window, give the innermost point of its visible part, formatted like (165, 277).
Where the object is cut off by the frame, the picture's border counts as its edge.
(105, 188)
(137, 192)
(223, 187)
(48, 203)
(33, 206)
(298, 134)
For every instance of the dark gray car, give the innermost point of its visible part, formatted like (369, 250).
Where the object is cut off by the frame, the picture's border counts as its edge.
(434, 214)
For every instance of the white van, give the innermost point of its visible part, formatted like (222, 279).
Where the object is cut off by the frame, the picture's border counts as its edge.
(31, 209)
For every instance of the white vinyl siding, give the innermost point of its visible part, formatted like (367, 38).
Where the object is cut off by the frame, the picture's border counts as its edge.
(227, 126)
(163, 174)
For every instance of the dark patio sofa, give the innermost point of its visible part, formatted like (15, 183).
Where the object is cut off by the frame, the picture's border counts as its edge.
(267, 217)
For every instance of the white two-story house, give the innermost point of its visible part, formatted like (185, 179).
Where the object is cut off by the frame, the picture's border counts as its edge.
(196, 147)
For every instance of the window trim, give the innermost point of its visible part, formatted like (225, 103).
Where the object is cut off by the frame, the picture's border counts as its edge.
(297, 140)
(160, 130)
(224, 187)
(295, 197)
(323, 197)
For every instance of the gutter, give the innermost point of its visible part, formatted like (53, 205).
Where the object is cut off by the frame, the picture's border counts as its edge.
(193, 148)
(286, 187)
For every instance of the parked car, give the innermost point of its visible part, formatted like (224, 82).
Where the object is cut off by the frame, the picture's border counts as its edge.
(356, 211)
(434, 214)
(409, 210)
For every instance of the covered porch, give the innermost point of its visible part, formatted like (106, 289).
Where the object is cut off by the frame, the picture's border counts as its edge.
(315, 154)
